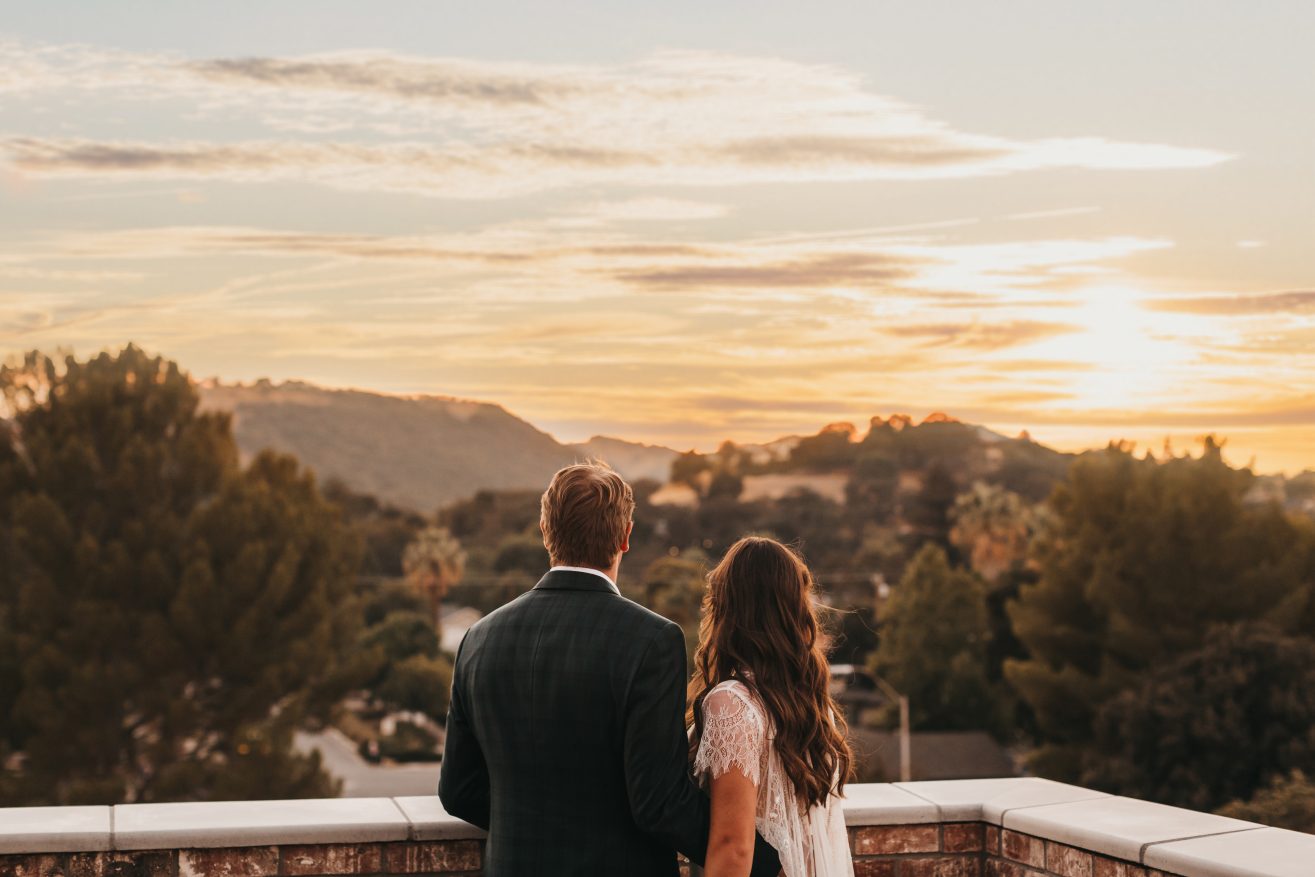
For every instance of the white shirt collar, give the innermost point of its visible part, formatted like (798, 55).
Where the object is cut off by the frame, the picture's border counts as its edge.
(602, 575)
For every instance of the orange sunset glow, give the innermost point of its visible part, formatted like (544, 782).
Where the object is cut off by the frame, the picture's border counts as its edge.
(741, 224)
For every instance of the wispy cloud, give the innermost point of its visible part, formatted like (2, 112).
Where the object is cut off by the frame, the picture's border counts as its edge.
(461, 128)
(987, 336)
(1297, 301)
(633, 224)
(867, 270)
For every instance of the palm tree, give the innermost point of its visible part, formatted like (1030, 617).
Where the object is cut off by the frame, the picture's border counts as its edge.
(992, 527)
(433, 563)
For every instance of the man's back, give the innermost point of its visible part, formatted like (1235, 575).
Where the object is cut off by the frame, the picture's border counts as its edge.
(571, 700)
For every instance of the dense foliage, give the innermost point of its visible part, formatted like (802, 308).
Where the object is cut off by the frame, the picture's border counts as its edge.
(933, 647)
(167, 617)
(1213, 725)
(1287, 802)
(1139, 561)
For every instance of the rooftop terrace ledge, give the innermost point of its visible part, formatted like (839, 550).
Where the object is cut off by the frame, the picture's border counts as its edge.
(1020, 827)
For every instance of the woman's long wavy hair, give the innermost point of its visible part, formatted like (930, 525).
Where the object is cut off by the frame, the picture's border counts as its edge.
(758, 615)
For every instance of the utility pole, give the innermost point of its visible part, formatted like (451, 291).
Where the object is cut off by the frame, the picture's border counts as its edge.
(905, 743)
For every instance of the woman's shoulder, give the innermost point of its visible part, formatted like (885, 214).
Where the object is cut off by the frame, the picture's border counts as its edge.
(732, 698)
(731, 688)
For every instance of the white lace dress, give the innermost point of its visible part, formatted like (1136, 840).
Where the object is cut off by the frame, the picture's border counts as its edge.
(737, 734)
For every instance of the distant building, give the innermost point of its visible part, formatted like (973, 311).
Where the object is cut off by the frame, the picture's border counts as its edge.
(455, 624)
(936, 755)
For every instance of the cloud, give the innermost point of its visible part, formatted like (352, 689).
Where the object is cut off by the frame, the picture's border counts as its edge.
(646, 210)
(871, 151)
(406, 79)
(818, 270)
(986, 336)
(460, 128)
(1298, 301)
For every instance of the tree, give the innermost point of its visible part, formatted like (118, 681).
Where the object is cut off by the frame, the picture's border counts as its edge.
(831, 449)
(688, 467)
(928, 511)
(388, 597)
(1213, 726)
(1140, 559)
(932, 646)
(159, 604)
(407, 669)
(1287, 802)
(674, 588)
(992, 528)
(384, 530)
(401, 635)
(814, 524)
(726, 484)
(419, 683)
(433, 563)
(871, 489)
(524, 556)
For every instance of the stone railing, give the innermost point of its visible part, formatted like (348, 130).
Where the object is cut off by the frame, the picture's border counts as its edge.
(955, 828)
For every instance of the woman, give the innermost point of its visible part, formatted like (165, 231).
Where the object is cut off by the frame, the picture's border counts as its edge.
(767, 739)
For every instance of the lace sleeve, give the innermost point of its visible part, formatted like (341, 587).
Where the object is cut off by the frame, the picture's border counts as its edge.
(733, 736)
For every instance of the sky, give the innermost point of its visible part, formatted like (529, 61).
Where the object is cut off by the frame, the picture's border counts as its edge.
(682, 222)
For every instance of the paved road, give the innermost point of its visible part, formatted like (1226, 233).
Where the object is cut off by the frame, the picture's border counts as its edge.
(360, 778)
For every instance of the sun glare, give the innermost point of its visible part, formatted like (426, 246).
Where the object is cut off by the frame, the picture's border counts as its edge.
(1132, 353)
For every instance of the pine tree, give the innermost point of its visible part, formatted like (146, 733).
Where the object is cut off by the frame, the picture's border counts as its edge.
(1213, 726)
(1139, 560)
(171, 616)
(932, 647)
(1287, 802)
(674, 588)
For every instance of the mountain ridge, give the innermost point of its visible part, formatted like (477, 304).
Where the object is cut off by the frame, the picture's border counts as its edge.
(423, 451)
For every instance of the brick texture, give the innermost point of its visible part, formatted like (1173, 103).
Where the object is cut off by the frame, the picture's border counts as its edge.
(941, 866)
(956, 849)
(889, 839)
(1023, 848)
(229, 862)
(34, 865)
(1105, 867)
(1067, 861)
(874, 868)
(151, 863)
(963, 837)
(332, 859)
(420, 857)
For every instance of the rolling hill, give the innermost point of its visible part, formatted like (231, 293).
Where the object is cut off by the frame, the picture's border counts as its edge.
(417, 452)
(422, 452)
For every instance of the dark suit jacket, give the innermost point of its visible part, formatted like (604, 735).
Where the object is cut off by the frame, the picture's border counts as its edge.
(566, 738)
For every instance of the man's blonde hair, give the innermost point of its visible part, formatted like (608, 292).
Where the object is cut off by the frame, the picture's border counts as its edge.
(585, 514)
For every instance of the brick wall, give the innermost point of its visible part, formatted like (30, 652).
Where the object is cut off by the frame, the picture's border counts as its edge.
(1010, 827)
(448, 858)
(1014, 854)
(950, 849)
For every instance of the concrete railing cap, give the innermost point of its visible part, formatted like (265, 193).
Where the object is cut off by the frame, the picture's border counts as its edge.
(1171, 839)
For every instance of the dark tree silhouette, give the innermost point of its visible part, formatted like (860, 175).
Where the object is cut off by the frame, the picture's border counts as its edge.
(166, 617)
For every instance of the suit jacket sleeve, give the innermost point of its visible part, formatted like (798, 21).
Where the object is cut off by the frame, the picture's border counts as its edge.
(663, 798)
(463, 783)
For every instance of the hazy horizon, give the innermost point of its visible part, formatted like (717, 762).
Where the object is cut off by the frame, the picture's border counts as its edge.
(860, 425)
(683, 224)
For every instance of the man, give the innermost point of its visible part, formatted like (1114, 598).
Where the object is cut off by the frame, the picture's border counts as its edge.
(565, 734)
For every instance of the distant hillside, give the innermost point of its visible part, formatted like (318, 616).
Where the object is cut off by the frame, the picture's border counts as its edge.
(416, 452)
(422, 452)
(632, 459)
(893, 456)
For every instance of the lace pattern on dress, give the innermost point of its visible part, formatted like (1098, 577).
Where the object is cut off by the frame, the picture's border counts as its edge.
(733, 736)
(737, 734)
